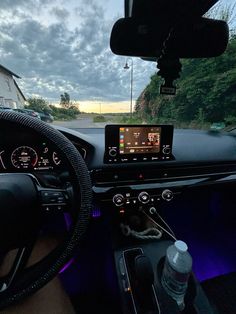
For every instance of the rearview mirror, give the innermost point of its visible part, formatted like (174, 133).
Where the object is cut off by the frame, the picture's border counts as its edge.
(203, 38)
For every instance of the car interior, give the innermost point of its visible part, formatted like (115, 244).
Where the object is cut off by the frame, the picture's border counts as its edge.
(114, 209)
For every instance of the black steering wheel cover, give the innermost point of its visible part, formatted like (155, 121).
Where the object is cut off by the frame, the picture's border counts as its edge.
(80, 179)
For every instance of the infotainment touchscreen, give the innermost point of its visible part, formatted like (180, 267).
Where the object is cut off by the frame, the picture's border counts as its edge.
(134, 143)
(139, 140)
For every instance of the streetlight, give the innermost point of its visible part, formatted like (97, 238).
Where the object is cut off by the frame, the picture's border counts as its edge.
(127, 67)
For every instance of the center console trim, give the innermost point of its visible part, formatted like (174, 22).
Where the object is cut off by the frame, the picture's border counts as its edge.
(128, 281)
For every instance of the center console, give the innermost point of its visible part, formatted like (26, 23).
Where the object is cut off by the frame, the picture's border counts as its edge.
(139, 265)
(132, 195)
(139, 272)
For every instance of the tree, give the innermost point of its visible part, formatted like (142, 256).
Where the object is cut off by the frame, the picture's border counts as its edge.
(38, 104)
(206, 92)
(65, 100)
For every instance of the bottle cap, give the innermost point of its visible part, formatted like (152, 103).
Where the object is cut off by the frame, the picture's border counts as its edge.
(181, 246)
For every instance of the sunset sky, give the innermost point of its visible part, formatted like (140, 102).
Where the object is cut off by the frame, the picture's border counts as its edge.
(105, 106)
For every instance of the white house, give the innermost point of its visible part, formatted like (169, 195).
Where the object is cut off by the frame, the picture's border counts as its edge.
(10, 93)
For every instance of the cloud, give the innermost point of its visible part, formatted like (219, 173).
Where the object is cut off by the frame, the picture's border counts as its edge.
(72, 56)
(60, 13)
(10, 4)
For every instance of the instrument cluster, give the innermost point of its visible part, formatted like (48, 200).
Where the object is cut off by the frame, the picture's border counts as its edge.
(33, 156)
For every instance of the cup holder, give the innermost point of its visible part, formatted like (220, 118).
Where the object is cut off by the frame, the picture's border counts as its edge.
(190, 293)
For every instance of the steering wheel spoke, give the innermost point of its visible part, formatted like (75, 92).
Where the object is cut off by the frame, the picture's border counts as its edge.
(22, 256)
(55, 200)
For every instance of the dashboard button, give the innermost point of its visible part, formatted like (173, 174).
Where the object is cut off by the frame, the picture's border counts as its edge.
(122, 267)
(166, 150)
(152, 210)
(144, 197)
(118, 200)
(126, 287)
(167, 195)
(155, 158)
(113, 152)
(124, 159)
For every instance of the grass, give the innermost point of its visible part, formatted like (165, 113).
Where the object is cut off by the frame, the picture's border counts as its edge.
(99, 118)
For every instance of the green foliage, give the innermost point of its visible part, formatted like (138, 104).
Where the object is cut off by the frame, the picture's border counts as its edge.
(230, 120)
(206, 93)
(38, 104)
(41, 105)
(64, 113)
(127, 119)
(99, 119)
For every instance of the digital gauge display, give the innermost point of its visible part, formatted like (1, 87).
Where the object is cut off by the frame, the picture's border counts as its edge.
(24, 153)
(24, 157)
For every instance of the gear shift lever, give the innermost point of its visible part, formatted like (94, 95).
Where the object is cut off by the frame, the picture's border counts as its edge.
(144, 279)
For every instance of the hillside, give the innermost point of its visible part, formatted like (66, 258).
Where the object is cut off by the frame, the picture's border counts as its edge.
(206, 93)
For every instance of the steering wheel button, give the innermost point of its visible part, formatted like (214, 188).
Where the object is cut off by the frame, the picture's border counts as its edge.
(60, 199)
(53, 200)
(57, 194)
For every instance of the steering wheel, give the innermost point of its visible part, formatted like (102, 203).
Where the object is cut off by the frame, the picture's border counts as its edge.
(23, 203)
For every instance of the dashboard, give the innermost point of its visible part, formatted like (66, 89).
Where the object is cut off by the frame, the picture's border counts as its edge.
(187, 161)
(195, 154)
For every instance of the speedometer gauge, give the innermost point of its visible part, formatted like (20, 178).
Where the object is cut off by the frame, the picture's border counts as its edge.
(24, 157)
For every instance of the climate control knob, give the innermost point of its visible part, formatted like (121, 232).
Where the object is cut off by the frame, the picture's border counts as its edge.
(144, 197)
(113, 152)
(118, 200)
(167, 195)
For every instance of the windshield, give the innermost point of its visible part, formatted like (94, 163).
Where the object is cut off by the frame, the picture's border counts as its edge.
(56, 61)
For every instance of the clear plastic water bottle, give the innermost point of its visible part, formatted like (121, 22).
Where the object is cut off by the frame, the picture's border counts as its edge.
(177, 268)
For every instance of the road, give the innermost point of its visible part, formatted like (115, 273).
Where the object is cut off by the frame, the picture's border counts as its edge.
(81, 122)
